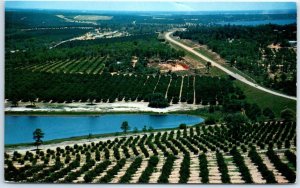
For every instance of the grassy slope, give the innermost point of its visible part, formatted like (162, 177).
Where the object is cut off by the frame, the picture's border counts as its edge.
(213, 70)
(263, 99)
(214, 57)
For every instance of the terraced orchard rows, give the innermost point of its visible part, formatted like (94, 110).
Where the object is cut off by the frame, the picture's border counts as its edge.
(91, 65)
(27, 86)
(261, 153)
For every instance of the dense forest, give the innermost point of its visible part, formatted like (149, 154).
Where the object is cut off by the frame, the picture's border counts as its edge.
(248, 49)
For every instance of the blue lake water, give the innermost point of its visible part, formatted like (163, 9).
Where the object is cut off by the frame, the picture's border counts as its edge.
(19, 129)
(260, 22)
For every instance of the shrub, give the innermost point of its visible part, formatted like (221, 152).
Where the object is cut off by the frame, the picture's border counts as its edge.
(126, 152)
(73, 175)
(145, 176)
(112, 172)
(166, 169)
(67, 159)
(131, 170)
(265, 172)
(116, 153)
(223, 168)
(61, 173)
(185, 169)
(17, 154)
(288, 115)
(157, 100)
(89, 176)
(145, 151)
(210, 120)
(87, 156)
(281, 167)
(21, 161)
(46, 160)
(78, 157)
(291, 157)
(182, 126)
(106, 153)
(97, 156)
(239, 161)
(203, 168)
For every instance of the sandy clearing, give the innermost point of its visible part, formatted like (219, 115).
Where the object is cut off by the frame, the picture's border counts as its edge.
(172, 67)
(121, 106)
(193, 63)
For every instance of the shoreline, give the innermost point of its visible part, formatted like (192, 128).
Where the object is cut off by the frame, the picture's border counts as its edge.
(46, 109)
(98, 114)
(99, 108)
(83, 139)
(78, 113)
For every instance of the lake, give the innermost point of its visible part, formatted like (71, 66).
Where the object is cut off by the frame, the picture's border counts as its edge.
(260, 22)
(19, 129)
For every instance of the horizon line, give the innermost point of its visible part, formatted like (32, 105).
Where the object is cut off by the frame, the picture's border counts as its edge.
(275, 10)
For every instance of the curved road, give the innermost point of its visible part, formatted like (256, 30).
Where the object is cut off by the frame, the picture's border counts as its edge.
(235, 75)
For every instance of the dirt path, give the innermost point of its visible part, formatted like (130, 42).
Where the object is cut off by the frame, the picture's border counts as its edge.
(181, 86)
(156, 84)
(166, 95)
(194, 90)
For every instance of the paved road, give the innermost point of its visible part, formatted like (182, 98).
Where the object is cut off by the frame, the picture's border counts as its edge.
(235, 75)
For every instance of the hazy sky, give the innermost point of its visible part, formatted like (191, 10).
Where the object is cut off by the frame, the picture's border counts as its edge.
(151, 6)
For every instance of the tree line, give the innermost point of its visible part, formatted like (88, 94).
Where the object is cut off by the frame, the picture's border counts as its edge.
(28, 86)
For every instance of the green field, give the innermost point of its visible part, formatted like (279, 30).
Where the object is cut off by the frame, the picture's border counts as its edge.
(263, 99)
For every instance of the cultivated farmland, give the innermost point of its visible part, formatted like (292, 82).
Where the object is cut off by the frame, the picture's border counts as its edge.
(172, 83)
(109, 88)
(92, 65)
(260, 153)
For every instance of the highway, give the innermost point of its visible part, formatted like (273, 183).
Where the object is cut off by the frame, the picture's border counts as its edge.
(229, 72)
